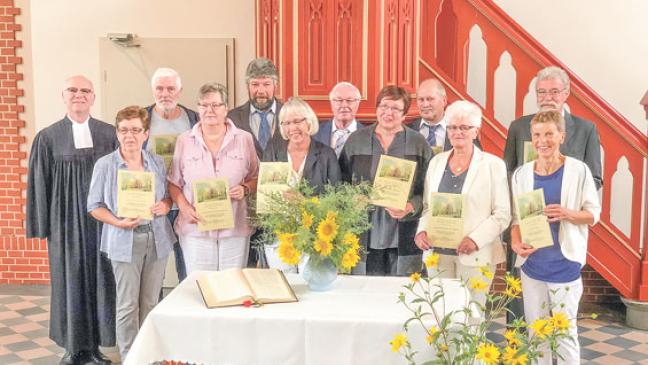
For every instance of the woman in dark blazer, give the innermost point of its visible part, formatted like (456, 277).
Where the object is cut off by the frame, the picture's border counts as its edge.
(309, 160)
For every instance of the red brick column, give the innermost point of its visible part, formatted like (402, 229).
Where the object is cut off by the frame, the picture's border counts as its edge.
(22, 261)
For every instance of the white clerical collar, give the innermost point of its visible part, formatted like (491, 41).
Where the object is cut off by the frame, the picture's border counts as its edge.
(81, 133)
(352, 127)
(442, 123)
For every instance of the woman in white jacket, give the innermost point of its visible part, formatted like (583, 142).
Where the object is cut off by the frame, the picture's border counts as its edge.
(482, 179)
(551, 276)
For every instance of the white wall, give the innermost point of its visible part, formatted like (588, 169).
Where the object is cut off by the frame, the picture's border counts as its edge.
(604, 42)
(65, 33)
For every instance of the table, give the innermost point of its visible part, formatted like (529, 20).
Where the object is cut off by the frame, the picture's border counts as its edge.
(350, 324)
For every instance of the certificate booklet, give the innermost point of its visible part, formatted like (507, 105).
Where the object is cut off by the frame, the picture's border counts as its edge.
(135, 194)
(445, 226)
(393, 182)
(273, 178)
(437, 149)
(235, 286)
(534, 226)
(213, 205)
(164, 146)
(530, 153)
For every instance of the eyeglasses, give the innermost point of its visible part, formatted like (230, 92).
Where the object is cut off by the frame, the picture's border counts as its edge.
(393, 109)
(205, 106)
(83, 90)
(463, 128)
(344, 101)
(288, 123)
(553, 92)
(133, 131)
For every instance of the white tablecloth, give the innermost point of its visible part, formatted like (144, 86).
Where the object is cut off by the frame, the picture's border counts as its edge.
(350, 324)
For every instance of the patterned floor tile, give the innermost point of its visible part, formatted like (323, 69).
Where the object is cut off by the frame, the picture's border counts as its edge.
(597, 335)
(624, 343)
(612, 360)
(631, 355)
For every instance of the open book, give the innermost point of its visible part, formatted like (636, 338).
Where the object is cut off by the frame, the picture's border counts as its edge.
(235, 286)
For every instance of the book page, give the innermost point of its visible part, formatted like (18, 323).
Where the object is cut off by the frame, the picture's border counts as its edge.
(222, 288)
(269, 285)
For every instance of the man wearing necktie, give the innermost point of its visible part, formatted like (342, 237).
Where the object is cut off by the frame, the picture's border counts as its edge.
(259, 114)
(345, 100)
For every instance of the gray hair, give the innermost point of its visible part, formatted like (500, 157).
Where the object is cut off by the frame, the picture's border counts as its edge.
(213, 87)
(347, 84)
(465, 110)
(297, 105)
(553, 73)
(166, 72)
(259, 68)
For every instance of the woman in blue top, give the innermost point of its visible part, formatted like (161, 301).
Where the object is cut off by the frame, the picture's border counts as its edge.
(551, 279)
(137, 248)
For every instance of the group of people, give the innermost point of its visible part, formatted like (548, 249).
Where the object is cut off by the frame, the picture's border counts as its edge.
(74, 165)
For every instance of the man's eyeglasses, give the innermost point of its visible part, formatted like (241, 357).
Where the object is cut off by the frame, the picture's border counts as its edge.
(553, 92)
(393, 109)
(133, 131)
(463, 128)
(340, 101)
(83, 90)
(288, 123)
(205, 106)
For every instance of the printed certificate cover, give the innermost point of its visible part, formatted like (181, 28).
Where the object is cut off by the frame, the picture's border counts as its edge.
(530, 153)
(135, 194)
(534, 226)
(445, 226)
(213, 205)
(164, 146)
(393, 182)
(273, 178)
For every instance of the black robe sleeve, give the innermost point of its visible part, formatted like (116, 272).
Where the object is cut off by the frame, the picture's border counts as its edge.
(39, 189)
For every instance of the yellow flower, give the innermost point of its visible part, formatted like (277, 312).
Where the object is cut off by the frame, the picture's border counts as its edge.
(351, 240)
(399, 341)
(509, 354)
(307, 219)
(327, 230)
(432, 261)
(415, 277)
(512, 338)
(560, 321)
(477, 284)
(488, 353)
(432, 333)
(511, 292)
(443, 347)
(350, 259)
(286, 237)
(541, 327)
(331, 215)
(323, 247)
(523, 359)
(315, 200)
(514, 283)
(486, 272)
(288, 253)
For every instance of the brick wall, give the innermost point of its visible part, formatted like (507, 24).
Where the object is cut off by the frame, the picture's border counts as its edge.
(22, 261)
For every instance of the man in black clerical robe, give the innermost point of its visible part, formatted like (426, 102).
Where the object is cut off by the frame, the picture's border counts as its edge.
(82, 310)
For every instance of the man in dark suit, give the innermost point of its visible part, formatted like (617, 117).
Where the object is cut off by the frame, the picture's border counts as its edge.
(581, 142)
(345, 100)
(431, 101)
(259, 115)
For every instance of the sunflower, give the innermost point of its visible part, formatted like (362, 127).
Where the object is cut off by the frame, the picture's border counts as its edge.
(400, 339)
(432, 261)
(351, 240)
(477, 284)
(542, 328)
(560, 321)
(488, 353)
(288, 253)
(511, 292)
(512, 338)
(307, 219)
(327, 230)
(485, 270)
(331, 215)
(288, 238)
(314, 200)
(415, 277)
(513, 282)
(350, 259)
(323, 247)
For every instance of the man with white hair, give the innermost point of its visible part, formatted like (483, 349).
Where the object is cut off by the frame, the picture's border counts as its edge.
(345, 100)
(168, 119)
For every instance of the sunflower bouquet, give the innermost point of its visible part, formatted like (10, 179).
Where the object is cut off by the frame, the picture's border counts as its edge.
(325, 226)
(465, 342)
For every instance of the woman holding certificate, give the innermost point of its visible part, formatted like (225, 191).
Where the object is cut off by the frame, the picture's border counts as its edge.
(214, 168)
(551, 278)
(308, 159)
(466, 205)
(128, 193)
(404, 154)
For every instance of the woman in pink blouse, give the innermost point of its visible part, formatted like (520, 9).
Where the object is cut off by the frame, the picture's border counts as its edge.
(214, 147)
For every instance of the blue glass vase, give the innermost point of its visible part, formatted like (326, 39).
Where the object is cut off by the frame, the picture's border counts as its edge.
(319, 273)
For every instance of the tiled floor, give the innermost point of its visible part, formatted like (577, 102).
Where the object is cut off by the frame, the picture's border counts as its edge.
(24, 333)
